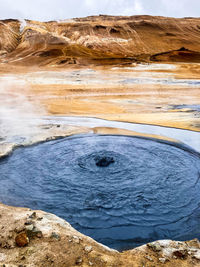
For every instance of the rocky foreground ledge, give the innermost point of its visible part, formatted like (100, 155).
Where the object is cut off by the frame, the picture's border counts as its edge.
(37, 238)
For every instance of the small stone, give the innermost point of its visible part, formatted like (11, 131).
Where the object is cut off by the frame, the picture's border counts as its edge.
(39, 218)
(22, 240)
(79, 260)
(39, 234)
(28, 222)
(33, 215)
(55, 236)
(149, 258)
(88, 249)
(76, 239)
(162, 260)
(90, 263)
(154, 246)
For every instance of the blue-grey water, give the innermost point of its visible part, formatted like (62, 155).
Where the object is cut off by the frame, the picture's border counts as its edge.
(122, 191)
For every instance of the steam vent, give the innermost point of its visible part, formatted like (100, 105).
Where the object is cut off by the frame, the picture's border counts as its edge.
(100, 142)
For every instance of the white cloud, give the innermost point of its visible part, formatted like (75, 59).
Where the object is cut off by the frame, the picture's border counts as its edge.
(138, 7)
(129, 9)
(63, 9)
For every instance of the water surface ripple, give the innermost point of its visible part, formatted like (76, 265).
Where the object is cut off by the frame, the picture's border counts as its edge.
(122, 191)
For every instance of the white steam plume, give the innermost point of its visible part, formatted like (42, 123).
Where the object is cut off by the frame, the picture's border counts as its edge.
(18, 116)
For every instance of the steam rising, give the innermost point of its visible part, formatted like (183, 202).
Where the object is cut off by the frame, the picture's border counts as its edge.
(18, 116)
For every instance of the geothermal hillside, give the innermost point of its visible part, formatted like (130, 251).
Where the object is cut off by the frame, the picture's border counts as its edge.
(100, 38)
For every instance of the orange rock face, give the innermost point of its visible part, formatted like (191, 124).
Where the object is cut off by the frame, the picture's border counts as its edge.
(100, 39)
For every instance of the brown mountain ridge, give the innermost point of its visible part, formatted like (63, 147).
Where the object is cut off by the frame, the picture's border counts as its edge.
(100, 39)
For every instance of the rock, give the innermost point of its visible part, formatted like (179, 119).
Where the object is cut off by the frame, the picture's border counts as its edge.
(39, 234)
(33, 215)
(76, 239)
(39, 218)
(22, 240)
(55, 236)
(88, 249)
(29, 222)
(155, 246)
(79, 260)
(149, 258)
(162, 260)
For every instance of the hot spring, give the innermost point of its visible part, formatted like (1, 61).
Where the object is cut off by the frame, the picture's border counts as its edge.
(122, 191)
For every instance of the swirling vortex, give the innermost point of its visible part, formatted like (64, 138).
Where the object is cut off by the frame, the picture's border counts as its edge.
(149, 190)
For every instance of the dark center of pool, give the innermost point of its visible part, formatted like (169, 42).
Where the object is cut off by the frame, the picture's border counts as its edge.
(122, 191)
(103, 161)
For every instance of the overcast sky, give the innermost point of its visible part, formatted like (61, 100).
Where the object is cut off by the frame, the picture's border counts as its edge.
(63, 9)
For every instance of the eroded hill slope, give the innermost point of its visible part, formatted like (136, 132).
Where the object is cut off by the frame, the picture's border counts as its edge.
(100, 38)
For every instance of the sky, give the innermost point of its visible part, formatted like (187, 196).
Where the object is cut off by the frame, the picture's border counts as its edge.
(45, 10)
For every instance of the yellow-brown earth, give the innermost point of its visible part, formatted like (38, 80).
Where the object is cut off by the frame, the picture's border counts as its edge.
(100, 39)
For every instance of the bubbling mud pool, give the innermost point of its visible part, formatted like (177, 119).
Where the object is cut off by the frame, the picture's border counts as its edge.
(122, 191)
